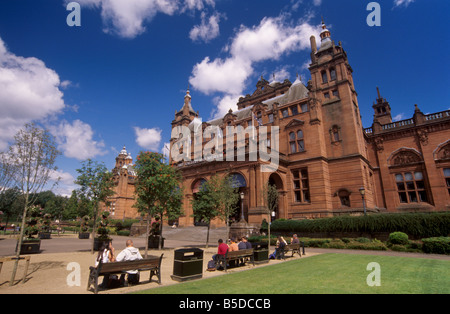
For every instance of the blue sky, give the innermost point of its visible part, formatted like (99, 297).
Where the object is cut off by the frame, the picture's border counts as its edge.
(118, 78)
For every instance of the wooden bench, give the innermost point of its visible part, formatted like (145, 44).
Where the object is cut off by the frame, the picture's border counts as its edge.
(294, 248)
(152, 263)
(234, 256)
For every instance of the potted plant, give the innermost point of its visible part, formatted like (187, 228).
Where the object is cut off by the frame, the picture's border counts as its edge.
(31, 244)
(102, 232)
(84, 234)
(45, 232)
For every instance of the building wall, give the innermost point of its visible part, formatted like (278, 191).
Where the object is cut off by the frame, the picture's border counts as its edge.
(338, 156)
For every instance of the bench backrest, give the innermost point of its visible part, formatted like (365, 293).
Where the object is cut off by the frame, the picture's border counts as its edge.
(295, 246)
(142, 264)
(234, 254)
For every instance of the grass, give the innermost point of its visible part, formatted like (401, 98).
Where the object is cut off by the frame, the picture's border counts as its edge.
(327, 273)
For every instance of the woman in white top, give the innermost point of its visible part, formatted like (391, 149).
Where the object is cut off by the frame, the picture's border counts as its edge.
(105, 254)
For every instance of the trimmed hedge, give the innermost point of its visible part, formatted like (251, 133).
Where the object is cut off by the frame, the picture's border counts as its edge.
(418, 225)
(436, 245)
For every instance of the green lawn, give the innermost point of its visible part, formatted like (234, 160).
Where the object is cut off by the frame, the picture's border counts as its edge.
(326, 273)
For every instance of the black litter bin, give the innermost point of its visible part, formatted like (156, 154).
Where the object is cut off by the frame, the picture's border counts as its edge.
(260, 252)
(187, 264)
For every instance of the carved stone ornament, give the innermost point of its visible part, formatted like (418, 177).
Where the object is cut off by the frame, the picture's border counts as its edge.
(405, 158)
(423, 136)
(444, 153)
(379, 144)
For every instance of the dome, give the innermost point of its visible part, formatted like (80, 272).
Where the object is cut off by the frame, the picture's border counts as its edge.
(123, 151)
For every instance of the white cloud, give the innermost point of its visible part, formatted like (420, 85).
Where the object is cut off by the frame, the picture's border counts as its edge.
(405, 3)
(128, 18)
(76, 140)
(207, 30)
(148, 138)
(317, 2)
(400, 116)
(270, 40)
(28, 91)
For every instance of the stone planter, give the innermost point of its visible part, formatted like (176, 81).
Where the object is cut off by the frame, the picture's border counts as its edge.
(153, 242)
(45, 235)
(98, 243)
(83, 235)
(31, 246)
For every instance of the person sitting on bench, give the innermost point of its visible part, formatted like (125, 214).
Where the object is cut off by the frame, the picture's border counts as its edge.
(130, 253)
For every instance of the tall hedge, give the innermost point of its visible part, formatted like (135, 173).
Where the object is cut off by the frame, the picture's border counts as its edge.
(421, 225)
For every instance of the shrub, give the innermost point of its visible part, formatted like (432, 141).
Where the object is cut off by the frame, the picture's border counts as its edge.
(419, 225)
(124, 233)
(436, 245)
(363, 240)
(398, 238)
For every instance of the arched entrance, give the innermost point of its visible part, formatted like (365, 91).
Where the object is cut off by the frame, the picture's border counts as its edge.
(196, 186)
(276, 180)
(239, 182)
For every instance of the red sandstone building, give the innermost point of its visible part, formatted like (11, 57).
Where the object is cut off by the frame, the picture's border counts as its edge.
(121, 203)
(326, 156)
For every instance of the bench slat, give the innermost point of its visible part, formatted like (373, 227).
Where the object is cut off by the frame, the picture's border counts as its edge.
(153, 264)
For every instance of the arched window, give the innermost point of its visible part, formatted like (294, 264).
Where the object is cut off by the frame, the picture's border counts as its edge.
(335, 133)
(344, 197)
(296, 142)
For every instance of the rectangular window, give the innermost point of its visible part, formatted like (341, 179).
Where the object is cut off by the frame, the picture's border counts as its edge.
(304, 107)
(259, 117)
(294, 110)
(324, 77)
(326, 95)
(301, 186)
(285, 113)
(271, 118)
(335, 93)
(411, 187)
(447, 178)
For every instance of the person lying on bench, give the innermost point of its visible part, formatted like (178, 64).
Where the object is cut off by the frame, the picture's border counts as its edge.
(130, 253)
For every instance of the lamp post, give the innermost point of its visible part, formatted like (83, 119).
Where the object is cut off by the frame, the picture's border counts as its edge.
(362, 191)
(242, 207)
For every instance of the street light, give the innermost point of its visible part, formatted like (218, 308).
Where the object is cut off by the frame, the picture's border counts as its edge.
(242, 206)
(362, 191)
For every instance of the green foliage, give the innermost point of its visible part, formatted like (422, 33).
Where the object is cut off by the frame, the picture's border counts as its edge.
(398, 238)
(32, 221)
(436, 245)
(421, 225)
(103, 229)
(217, 198)
(85, 223)
(158, 186)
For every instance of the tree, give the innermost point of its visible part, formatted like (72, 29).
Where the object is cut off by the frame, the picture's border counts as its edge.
(9, 200)
(270, 194)
(32, 155)
(229, 198)
(96, 185)
(217, 198)
(7, 172)
(206, 203)
(71, 209)
(157, 189)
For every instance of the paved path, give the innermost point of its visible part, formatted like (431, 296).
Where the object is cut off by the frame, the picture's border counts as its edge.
(174, 238)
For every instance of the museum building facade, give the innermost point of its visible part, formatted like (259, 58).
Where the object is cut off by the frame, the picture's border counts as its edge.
(328, 163)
